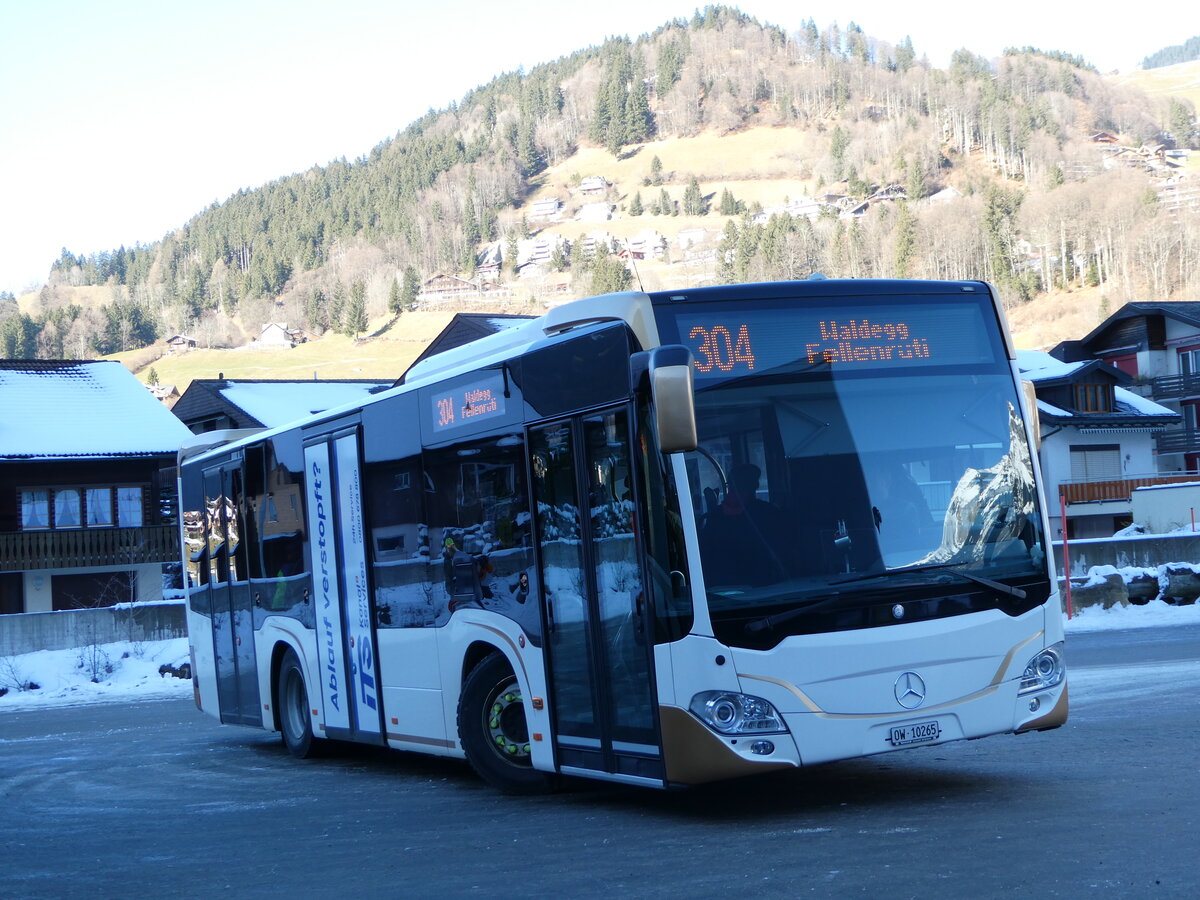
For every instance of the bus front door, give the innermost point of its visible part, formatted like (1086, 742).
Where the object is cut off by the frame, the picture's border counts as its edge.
(349, 673)
(598, 633)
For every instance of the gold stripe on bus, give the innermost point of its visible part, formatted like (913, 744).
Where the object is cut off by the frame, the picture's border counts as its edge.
(413, 739)
(813, 708)
(816, 710)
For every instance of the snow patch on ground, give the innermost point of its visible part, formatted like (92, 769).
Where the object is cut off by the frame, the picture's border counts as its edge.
(1155, 614)
(123, 671)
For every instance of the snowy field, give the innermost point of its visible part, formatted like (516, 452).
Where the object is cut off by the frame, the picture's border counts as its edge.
(64, 677)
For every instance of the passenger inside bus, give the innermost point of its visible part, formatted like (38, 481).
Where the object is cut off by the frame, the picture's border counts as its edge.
(744, 536)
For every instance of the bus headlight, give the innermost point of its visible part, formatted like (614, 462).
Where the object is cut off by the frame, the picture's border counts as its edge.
(1046, 670)
(729, 713)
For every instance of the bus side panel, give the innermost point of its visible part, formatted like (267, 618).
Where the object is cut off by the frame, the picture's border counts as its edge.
(276, 630)
(413, 712)
(204, 666)
(472, 626)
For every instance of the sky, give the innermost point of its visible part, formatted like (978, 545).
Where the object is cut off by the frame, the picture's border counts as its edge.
(62, 682)
(119, 121)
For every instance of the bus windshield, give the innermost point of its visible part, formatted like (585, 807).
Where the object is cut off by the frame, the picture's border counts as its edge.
(858, 465)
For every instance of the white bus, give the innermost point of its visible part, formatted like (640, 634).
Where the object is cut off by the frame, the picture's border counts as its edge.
(658, 539)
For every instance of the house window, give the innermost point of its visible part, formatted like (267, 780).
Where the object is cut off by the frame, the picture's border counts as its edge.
(99, 507)
(129, 507)
(1093, 398)
(35, 509)
(67, 509)
(1097, 462)
(81, 507)
(1189, 362)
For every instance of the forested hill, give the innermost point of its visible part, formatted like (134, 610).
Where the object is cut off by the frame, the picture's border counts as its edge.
(863, 161)
(1169, 56)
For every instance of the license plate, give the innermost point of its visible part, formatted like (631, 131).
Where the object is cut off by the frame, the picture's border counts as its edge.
(915, 733)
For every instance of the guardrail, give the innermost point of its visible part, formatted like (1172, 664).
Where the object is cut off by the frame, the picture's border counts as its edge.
(1182, 441)
(1117, 488)
(1172, 387)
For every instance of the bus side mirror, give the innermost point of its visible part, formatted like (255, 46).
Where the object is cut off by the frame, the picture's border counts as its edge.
(674, 398)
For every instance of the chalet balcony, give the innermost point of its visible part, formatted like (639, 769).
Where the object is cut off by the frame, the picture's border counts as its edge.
(1184, 440)
(1174, 387)
(78, 547)
(1118, 489)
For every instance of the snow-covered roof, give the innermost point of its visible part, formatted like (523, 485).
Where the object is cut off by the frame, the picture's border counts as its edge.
(278, 403)
(80, 408)
(1047, 410)
(1036, 365)
(1139, 404)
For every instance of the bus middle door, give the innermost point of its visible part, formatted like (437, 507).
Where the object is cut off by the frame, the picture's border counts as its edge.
(345, 624)
(598, 631)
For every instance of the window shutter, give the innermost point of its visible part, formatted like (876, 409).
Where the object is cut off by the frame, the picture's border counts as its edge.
(1096, 463)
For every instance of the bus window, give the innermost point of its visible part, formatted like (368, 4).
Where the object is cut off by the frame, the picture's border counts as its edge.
(477, 508)
(399, 545)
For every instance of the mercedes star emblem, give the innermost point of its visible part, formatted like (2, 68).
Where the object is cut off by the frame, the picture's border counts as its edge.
(910, 690)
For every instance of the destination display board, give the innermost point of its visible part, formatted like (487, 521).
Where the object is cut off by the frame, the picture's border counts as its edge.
(729, 343)
(468, 403)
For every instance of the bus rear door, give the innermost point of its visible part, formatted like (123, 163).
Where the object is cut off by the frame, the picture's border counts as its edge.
(597, 620)
(229, 597)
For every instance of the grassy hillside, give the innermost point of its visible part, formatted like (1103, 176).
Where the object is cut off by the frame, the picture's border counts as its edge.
(1181, 80)
(332, 356)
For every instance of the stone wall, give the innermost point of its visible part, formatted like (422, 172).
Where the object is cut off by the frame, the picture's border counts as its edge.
(64, 629)
(1167, 557)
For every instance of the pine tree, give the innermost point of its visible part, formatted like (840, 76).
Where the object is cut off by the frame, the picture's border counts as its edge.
(410, 289)
(559, 259)
(579, 261)
(394, 305)
(609, 275)
(670, 67)
(635, 205)
(693, 199)
(337, 306)
(152, 376)
(727, 254)
(355, 318)
(839, 141)
(656, 171)
(511, 253)
(905, 231)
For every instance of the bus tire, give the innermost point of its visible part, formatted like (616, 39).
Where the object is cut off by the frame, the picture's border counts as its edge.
(291, 700)
(493, 731)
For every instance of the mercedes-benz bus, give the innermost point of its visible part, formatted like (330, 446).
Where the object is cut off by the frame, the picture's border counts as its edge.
(652, 538)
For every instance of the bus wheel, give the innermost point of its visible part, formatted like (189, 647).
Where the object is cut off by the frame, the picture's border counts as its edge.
(493, 730)
(291, 699)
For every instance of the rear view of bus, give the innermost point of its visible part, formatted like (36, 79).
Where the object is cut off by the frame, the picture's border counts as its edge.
(866, 522)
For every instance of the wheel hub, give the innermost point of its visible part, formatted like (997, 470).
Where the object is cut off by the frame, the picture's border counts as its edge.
(506, 726)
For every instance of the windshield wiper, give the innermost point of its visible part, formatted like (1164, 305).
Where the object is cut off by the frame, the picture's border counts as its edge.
(769, 622)
(952, 568)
